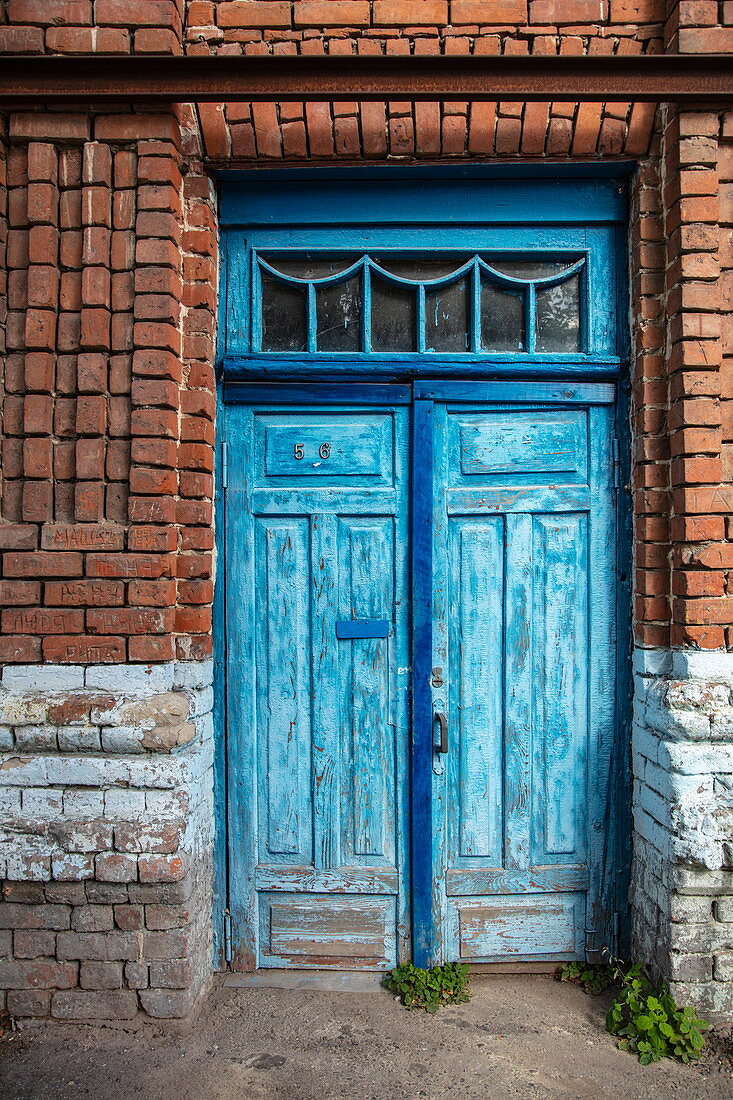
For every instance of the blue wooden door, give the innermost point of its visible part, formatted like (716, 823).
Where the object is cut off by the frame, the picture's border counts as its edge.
(520, 548)
(318, 677)
(511, 567)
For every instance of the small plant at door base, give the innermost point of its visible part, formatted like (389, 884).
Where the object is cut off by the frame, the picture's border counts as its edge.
(591, 977)
(651, 1024)
(429, 989)
(644, 1013)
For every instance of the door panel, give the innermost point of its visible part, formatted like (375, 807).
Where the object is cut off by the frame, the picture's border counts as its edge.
(523, 632)
(317, 717)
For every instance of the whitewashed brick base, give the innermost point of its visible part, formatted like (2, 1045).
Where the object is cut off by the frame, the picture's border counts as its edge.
(682, 874)
(106, 836)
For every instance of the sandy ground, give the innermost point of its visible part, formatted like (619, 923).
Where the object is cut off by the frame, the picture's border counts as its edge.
(518, 1037)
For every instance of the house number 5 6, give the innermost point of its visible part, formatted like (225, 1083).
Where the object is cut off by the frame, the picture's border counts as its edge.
(299, 451)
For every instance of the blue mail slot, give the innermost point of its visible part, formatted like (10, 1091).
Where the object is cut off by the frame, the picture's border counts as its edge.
(362, 628)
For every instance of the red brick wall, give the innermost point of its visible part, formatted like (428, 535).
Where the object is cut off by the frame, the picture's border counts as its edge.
(107, 391)
(91, 26)
(351, 131)
(681, 295)
(698, 216)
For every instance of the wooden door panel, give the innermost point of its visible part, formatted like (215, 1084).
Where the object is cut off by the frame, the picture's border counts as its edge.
(523, 622)
(283, 697)
(559, 673)
(476, 633)
(529, 928)
(317, 505)
(323, 931)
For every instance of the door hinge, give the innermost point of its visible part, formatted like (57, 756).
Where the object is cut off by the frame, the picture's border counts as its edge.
(224, 466)
(616, 464)
(227, 935)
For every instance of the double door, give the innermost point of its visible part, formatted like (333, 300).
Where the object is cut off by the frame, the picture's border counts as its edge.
(420, 594)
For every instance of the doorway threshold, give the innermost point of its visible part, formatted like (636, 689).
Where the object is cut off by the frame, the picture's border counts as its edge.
(323, 981)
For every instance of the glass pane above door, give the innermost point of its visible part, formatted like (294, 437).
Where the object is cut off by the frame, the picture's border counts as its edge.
(451, 304)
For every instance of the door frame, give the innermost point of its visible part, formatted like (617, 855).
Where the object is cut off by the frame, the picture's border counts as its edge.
(584, 194)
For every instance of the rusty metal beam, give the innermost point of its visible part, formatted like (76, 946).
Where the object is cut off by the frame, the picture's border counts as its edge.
(36, 80)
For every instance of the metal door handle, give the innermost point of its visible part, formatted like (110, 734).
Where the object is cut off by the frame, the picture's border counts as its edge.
(443, 723)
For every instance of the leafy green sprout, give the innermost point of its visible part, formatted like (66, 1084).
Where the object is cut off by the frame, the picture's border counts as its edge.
(429, 989)
(644, 1014)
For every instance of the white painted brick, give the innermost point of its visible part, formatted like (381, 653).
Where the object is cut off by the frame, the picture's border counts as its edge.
(7, 741)
(697, 848)
(193, 674)
(692, 939)
(204, 726)
(687, 880)
(42, 677)
(83, 804)
(22, 710)
(43, 803)
(124, 805)
(9, 801)
(72, 867)
(123, 739)
(682, 724)
(723, 967)
(167, 803)
(652, 662)
(639, 765)
(201, 701)
(86, 771)
(714, 665)
(658, 779)
(34, 866)
(35, 739)
(638, 709)
(157, 771)
(652, 831)
(696, 759)
(23, 771)
(654, 805)
(721, 726)
(126, 679)
(697, 695)
(644, 741)
(79, 739)
(690, 968)
(690, 909)
(723, 910)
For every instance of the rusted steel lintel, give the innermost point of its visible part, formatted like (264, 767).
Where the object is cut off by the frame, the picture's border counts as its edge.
(165, 79)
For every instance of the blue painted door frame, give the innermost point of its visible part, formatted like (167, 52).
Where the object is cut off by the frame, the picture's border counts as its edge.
(543, 216)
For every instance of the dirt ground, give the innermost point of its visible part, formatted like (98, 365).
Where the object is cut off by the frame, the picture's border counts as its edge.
(527, 1036)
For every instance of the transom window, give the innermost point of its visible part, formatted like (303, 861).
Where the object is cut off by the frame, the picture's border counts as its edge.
(449, 303)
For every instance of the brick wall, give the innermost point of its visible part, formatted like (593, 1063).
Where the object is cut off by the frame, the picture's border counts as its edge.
(351, 131)
(107, 312)
(91, 26)
(105, 840)
(108, 392)
(682, 881)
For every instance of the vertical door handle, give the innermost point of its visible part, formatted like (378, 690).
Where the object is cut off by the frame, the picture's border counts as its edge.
(442, 721)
